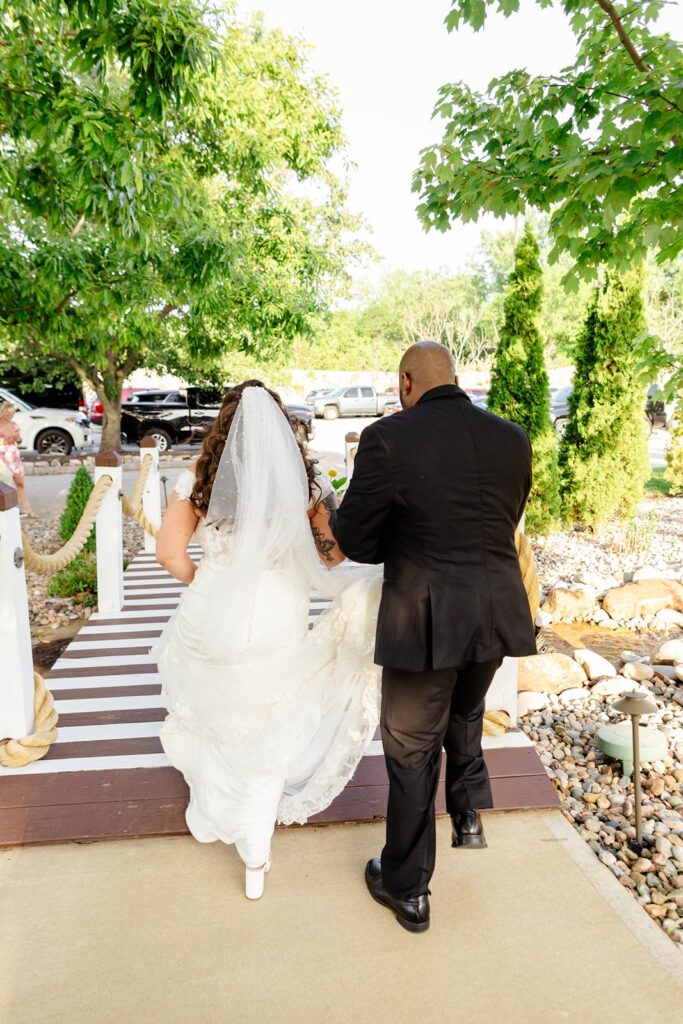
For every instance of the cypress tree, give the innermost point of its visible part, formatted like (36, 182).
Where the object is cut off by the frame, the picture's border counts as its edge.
(519, 382)
(76, 500)
(604, 460)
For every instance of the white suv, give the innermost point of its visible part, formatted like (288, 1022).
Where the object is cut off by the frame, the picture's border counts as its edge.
(49, 431)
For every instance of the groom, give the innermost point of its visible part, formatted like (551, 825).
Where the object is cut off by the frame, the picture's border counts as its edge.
(436, 494)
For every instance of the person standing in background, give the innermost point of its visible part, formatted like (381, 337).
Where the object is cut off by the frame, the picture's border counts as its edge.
(10, 436)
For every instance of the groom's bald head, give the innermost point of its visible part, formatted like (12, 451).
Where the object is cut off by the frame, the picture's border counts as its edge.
(424, 366)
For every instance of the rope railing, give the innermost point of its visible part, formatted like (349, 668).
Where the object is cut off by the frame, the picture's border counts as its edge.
(59, 559)
(133, 508)
(17, 753)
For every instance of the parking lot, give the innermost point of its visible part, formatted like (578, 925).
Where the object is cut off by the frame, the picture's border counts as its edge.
(48, 493)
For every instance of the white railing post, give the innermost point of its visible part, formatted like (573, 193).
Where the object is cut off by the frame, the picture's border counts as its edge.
(16, 675)
(151, 495)
(351, 447)
(109, 537)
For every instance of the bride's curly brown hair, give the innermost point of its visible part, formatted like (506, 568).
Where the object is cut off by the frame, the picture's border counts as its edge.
(214, 443)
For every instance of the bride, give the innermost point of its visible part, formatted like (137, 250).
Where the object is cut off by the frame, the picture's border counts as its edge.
(267, 719)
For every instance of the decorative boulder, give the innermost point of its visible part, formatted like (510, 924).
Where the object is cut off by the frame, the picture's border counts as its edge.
(644, 598)
(601, 584)
(649, 572)
(549, 673)
(612, 687)
(573, 605)
(594, 665)
(636, 670)
(670, 653)
(665, 671)
(529, 702)
(669, 617)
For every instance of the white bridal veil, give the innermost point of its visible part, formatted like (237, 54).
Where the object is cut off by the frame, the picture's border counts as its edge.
(260, 496)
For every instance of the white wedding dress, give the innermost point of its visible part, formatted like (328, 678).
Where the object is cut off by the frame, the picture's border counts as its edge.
(268, 719)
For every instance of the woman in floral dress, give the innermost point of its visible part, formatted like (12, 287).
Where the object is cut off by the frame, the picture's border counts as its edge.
(10, 436)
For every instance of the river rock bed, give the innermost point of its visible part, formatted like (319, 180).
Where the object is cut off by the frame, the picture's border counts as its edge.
(57, 612)
(597, 798)
(630, 574)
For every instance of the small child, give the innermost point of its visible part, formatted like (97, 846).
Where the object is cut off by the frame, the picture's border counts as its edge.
(10, 436)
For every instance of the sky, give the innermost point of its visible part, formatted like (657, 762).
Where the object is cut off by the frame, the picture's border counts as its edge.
(388, 59)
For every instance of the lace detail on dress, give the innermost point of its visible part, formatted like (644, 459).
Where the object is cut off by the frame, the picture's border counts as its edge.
(184, 485)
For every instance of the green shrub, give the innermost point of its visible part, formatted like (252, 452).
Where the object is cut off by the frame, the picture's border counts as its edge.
(78, 579)
(673, 473)
(604, 458)
(519, 382)
(76, 500)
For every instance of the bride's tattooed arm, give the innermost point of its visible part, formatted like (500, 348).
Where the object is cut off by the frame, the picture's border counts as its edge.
(325, 545)
(323, 517)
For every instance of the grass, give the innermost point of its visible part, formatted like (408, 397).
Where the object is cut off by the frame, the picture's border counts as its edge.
(657, 485)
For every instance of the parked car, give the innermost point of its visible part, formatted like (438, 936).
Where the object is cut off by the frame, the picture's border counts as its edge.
(96, 409)
(559, 408)
(478, 397)
(657, 413)
(49, 431)
(660, 412)
(316, 393)
(184, 416)
(352, 401)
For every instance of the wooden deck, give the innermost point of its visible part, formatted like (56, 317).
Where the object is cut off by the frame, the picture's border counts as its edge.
(107, 776)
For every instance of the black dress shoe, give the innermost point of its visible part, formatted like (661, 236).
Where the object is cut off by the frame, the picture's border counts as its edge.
(412, 914)
(468, 830)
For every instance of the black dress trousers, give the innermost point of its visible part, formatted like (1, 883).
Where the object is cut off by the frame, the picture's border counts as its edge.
(423, 712)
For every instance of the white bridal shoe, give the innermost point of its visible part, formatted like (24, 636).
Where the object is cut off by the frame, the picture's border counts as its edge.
(255, 881)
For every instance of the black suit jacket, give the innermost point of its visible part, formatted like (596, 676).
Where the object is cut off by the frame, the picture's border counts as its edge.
(436, 495)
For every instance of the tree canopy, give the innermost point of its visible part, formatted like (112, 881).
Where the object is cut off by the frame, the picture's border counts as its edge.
(165, 191)
(597, 145)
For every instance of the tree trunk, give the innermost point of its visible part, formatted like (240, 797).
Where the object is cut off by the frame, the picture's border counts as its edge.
(111, 425)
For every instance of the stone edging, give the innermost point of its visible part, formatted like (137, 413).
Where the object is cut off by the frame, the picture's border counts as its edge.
(60, 464)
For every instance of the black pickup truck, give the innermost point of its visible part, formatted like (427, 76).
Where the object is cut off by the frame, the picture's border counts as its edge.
(184, 416)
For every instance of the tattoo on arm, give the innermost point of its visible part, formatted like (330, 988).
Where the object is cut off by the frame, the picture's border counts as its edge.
(325, 545)
(329, 503)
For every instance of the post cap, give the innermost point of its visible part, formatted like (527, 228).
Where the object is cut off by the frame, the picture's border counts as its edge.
(108, 459)
(635, 703)
(148, 442)
(351, 437)
(8, 498)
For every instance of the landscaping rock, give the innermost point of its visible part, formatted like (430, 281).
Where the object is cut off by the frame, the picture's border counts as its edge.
(669, 617)
(594, 665)
(571, 605)
(611, 687)
(649, 572)
(666, 671)
(670, 653)
(636, 670)
(549, 673)
(644, 598)
(600, 584)
(574, 693)
(531, 701)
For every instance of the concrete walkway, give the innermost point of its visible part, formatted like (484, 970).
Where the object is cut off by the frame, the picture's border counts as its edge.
(533, 930)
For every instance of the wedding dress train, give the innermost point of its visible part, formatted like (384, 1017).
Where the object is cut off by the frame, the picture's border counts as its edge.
(268, 719)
